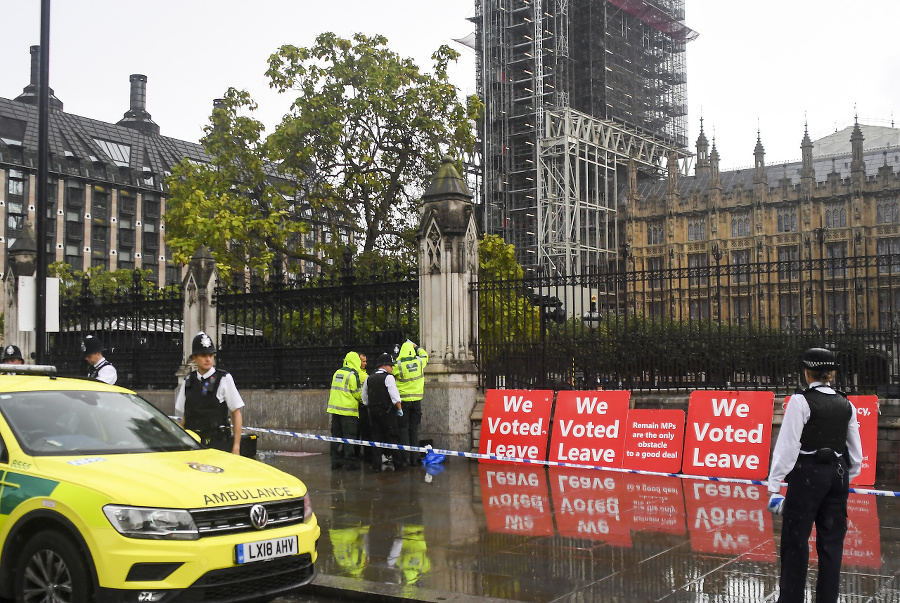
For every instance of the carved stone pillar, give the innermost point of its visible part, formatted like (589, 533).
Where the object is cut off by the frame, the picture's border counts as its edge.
(199, 310)
(21, 261)
(448, 264)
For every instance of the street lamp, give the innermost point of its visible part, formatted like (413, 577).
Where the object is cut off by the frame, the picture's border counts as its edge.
(592, 317)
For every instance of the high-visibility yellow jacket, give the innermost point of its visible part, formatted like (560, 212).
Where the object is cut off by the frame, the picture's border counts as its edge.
(413, 560)
(351, 548)
(409, 372)
(346, 387)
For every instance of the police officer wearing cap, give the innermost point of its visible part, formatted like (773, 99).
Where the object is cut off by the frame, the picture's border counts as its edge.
(382, 399)
(12, 355)
(101, 368)
(208, 396)
(819, 451)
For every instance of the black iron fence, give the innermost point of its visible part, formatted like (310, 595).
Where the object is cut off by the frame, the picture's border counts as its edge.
(296, 334)
(711, 324)
(140, 326)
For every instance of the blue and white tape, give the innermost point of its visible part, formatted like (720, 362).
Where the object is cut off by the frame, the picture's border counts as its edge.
(508, 459)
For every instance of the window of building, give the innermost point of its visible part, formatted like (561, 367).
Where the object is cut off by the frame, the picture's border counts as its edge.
(100, 226)
(74, 224)
(127, 206)
(150, 226)
(836, 260)
(118, 152)
(789, 262)
(889, 309)
(740, 266)
(835, 215)
(886, 211)
(655, 232)
(696, 229)
(698, 269)
(740, 224)
(16, 209)
(50, 221)
(740, 306)
(789, 311)
(837, 314)
(654, 272)
(888, 253)
(787, 219)
(699, 309)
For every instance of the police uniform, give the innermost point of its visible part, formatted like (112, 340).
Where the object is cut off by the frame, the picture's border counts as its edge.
(410, 376)
(12, 352)
(818, 451)
(207, 401)
(103, 370)
(380, 396)
(344, 399)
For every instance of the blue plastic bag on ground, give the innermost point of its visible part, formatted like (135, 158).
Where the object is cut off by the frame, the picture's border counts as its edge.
(432, 457)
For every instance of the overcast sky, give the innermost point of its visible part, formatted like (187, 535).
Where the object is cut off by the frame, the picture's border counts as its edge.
(760, 64)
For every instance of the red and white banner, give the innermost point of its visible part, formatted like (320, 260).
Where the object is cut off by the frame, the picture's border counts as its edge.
(591, 504)
(516, 499)
(589, 427)
(729, 434)
(515, 422)
(730, 519)
(654, 440)
(867, 414)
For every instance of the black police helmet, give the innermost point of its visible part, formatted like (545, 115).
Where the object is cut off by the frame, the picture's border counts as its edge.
(384, 360)
(819, 359)
(12, 352)
(203, 344)
(91, 345)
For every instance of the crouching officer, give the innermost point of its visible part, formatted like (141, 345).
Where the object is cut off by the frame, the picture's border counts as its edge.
(206, 399)
(819, 451)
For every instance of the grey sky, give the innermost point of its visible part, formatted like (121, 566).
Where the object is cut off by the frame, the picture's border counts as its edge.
(763, 64)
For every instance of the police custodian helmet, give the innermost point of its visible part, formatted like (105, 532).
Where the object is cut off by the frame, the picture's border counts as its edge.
(91, 345)
(202, 344)
(384, 360)
(819, 359)
(12, 352)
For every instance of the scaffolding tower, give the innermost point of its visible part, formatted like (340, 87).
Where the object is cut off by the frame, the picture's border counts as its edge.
(543, 65)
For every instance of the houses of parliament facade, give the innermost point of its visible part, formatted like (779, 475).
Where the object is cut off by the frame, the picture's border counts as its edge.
(810, 245)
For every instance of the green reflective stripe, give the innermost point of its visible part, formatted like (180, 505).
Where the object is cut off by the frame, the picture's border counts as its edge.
(16, 488)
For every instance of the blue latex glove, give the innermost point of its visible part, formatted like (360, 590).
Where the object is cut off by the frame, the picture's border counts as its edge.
(399, 412)
(776, 504)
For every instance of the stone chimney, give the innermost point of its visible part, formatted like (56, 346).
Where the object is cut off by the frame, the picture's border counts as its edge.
(137, 117)
(30, 92)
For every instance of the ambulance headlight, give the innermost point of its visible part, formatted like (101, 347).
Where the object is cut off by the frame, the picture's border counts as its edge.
(153, 524)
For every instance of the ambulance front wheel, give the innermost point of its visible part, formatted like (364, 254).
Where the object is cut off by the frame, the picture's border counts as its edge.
(51, 568)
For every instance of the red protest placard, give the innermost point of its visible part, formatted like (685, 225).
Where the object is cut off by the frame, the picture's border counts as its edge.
(514, 423)
(728, 434)
(867, 414)
(591, 504)
(657, 503)
(654, 440)
(729, 519)
(588, 427)
(516, 499)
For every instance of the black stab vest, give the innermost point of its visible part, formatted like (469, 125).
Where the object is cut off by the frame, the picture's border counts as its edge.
(379, 398)
(829, 418)
(204, 412)
(95, 370)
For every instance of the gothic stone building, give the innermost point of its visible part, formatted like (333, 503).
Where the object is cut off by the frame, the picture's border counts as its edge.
(805, 245)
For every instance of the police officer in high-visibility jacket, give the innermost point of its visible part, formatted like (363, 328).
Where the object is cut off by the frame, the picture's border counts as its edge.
(410, 376)
(819, 451)
(343, 406)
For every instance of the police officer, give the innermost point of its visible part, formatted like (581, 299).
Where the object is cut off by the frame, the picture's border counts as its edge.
(207, 397)
(382, 399)
(819, 451)
(344, 400)
(12, 355)
(101, 368)
(410, 375)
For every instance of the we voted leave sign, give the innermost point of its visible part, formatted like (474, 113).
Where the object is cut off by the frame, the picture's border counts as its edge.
(589, 427)
(728, 434)
(515, 422)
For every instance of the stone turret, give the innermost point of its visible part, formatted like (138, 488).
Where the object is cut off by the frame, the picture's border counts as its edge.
(702, 165)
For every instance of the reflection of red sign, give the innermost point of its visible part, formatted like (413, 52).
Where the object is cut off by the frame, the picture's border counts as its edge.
(729, 519)
(867, 414)
(588, 427)
(862, 544)
(515, 423)
(654, 440)
(657, 503)
(590, 504)
(516, 500)
(728, 434)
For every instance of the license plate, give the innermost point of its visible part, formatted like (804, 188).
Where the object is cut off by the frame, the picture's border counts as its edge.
(263, 550)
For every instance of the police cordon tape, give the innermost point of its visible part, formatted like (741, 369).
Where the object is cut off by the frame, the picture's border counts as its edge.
(508, 459)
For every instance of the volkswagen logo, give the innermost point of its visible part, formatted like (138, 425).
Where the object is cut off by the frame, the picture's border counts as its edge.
(259, 517)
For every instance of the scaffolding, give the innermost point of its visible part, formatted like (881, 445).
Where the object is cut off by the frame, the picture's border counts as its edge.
(618, 64)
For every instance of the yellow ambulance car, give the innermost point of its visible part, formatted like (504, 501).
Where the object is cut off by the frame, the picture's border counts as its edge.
(105, 498)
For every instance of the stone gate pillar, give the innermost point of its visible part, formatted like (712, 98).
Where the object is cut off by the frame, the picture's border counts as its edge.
(448, 264)
(199, 310)
(21, 261)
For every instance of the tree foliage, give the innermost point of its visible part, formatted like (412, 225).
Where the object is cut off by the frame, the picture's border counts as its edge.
(101, 281)
(505, 313)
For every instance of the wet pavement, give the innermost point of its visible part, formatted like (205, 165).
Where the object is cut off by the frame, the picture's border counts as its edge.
(505, 532)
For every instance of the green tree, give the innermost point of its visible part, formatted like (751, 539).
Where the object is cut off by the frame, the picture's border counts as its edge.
(102, 282)
(505, 313)
(372, 126)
